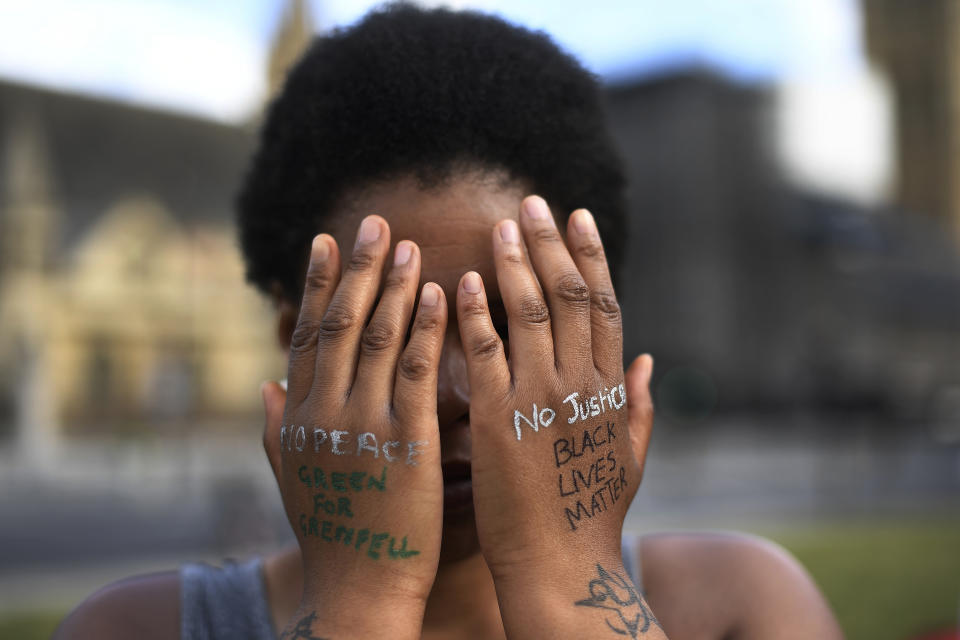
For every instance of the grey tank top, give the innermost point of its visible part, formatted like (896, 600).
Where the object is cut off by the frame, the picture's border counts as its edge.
(230, 603)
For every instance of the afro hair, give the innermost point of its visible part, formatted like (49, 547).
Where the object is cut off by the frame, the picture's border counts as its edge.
(410, 91)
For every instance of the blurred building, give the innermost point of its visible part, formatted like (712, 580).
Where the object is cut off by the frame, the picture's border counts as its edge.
(918, 45)
(123, 308)
(122, 303)
(755, 296)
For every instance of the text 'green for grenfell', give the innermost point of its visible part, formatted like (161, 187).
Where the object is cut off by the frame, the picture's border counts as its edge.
(375, 544)
(342, 481)
(356, 538)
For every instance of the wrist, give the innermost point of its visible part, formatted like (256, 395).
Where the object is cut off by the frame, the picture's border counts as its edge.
(347, 603)
(553, 561)
(347, 616)
(568, 599)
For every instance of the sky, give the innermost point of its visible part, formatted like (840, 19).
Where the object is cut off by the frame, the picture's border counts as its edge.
(208, 58)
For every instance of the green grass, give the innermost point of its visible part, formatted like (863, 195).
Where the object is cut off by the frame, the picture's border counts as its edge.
(885, 582)
(34, 625)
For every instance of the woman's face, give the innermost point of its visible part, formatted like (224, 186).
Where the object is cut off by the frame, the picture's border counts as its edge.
(452, 224)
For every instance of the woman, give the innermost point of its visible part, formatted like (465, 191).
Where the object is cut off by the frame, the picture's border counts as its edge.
(457, 466)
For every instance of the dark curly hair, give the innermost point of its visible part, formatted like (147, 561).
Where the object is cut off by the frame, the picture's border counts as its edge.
(409, 91)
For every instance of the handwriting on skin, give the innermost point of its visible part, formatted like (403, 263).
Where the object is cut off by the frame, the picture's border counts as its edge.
(600, 485)
(606, 400)
(333, 531)
(300, 437)
(595, 488)
(612, 592)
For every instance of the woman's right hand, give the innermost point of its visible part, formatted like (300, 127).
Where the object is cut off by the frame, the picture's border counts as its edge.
(354, 444)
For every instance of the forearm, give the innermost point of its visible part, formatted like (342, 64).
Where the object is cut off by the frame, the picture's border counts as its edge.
(582, 599)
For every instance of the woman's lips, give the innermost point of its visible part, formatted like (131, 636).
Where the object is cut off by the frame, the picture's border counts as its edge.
(457, 487)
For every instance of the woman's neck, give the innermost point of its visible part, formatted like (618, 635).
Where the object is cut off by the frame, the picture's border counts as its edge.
(462, 603)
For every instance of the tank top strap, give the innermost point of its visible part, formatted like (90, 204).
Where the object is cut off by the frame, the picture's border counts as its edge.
(224, 603)
(630, 552)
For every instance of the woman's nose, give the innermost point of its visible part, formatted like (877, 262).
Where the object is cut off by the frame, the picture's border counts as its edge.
(453, 388)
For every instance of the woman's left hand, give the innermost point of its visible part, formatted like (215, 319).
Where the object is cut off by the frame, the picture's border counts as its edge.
(559, 435)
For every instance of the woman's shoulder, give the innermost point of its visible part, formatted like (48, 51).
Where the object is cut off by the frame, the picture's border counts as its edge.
(146, 606)
(742, 584)
(198, 601)
(721, 547)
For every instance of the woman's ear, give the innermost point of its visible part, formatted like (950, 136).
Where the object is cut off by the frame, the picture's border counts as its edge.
(287, 315)
(274, 403)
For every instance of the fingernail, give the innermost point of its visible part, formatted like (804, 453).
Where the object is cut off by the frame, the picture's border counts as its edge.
(471, 282)
(584, 223)
(320, 249)
(508, 232)
(429, 296)
(402, 254)
(536, 208)
(369, 231)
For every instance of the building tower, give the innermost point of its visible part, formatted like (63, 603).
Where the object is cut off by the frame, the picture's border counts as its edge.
(28, 217)
(28, 223)
(293, 35)
(918, 45)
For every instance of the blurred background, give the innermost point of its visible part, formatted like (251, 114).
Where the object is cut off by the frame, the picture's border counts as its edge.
(793, 267)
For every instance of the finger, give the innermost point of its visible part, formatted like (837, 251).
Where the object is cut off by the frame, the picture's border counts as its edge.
(383, 339)
(319, 285)
(567, 292)
(347, 313)
(487, 370)
(274, 399)
(606, 328)
(415, 390)
(640, 407)
(528, 318)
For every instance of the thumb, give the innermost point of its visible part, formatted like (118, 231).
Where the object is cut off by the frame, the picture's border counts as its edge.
(274, 401)
(640, 407)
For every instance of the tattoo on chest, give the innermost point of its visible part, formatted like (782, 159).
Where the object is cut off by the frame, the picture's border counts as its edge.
(303, 629)
(614, 593)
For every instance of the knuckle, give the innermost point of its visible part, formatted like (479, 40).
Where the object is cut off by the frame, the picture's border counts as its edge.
(605, 302)
(474, 308)
(414, 366)
(533, 310)
(394, 281)
(486, 346)
(377, 337)
(572, 289)
(304, 336)
(318, 279)
(547, 236)
(514, 260)
(361, 261)
(591, 251)
(427, 322)
(337, 321)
